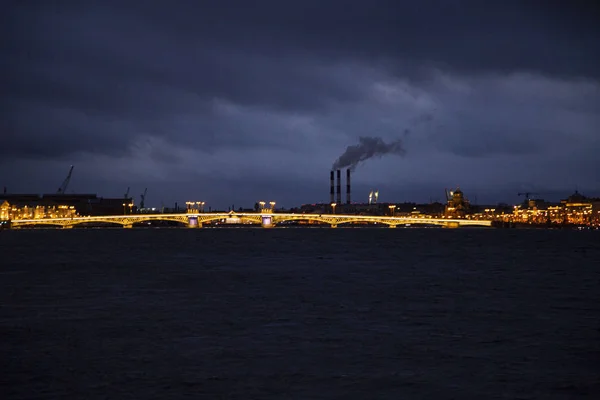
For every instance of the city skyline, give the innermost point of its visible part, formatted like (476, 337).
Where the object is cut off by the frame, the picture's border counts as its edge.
(232, 104)
(360, 195)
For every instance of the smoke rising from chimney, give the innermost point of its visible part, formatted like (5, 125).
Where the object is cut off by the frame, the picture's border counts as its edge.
(367, 147)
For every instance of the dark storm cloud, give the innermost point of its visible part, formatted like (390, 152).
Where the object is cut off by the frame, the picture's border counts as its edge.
(467, 35)
(107, 66)
(134, 51)
(222, 86)
(41, 132)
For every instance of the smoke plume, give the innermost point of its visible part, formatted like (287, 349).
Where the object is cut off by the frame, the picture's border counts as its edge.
(367, 147)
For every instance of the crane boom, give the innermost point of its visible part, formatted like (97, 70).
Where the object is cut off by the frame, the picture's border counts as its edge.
(63, 188)
(527, 194)
(448, 195)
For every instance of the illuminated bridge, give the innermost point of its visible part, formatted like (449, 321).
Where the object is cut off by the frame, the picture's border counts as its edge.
(266, 219)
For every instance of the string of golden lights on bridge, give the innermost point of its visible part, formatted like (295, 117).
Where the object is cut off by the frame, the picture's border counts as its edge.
(266, 218)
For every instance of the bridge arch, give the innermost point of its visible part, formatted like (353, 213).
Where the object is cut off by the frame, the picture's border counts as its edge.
(278, 218)
(205, 218)
(366, 221)
(152, 219)
(40, 223)
(61, 223)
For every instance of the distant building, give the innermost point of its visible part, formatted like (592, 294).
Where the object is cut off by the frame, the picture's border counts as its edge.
(4, 211)
(84, 204)
(581, 210)
(458, 205)
(10, 212)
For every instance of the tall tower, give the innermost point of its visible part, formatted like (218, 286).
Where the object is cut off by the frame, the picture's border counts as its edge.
(332, 187)
(339, 186)
(348, 186)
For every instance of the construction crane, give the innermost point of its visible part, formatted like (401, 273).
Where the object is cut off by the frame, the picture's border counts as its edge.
(143, 198)
(126, 195)
(63, 188)
(527, 194)
(449, 194)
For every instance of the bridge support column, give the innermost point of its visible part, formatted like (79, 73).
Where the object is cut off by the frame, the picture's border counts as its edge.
(194, 222)
(267, 221)
(334, 225)
(451, 225)
(392, 226)
(127, 226)
(67, 227)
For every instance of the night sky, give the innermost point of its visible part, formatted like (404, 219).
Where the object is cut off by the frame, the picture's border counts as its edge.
(231, 102)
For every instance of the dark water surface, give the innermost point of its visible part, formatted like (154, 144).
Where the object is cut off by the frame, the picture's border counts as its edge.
(300, 314)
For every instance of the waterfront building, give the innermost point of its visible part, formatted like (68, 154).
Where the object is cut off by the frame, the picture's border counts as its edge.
(458, 205)
(9, 212)
(581, 210)
(4, 211)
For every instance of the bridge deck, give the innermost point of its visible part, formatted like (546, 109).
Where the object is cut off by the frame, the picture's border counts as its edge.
(258, 218)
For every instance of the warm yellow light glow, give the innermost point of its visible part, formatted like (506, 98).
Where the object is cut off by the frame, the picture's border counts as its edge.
(583, 214)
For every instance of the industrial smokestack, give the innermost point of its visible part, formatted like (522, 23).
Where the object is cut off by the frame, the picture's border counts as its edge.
(348, 186)
(339, 186)
(332, 187)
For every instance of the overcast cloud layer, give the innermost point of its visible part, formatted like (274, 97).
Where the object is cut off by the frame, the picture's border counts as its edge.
(245, 101)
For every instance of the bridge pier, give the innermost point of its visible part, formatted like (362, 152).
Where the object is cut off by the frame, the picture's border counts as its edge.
(266, 221)
(334, 225)
(391, 226)
(67, 227)
(452, 225)
(128, 226)
(194, 222)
